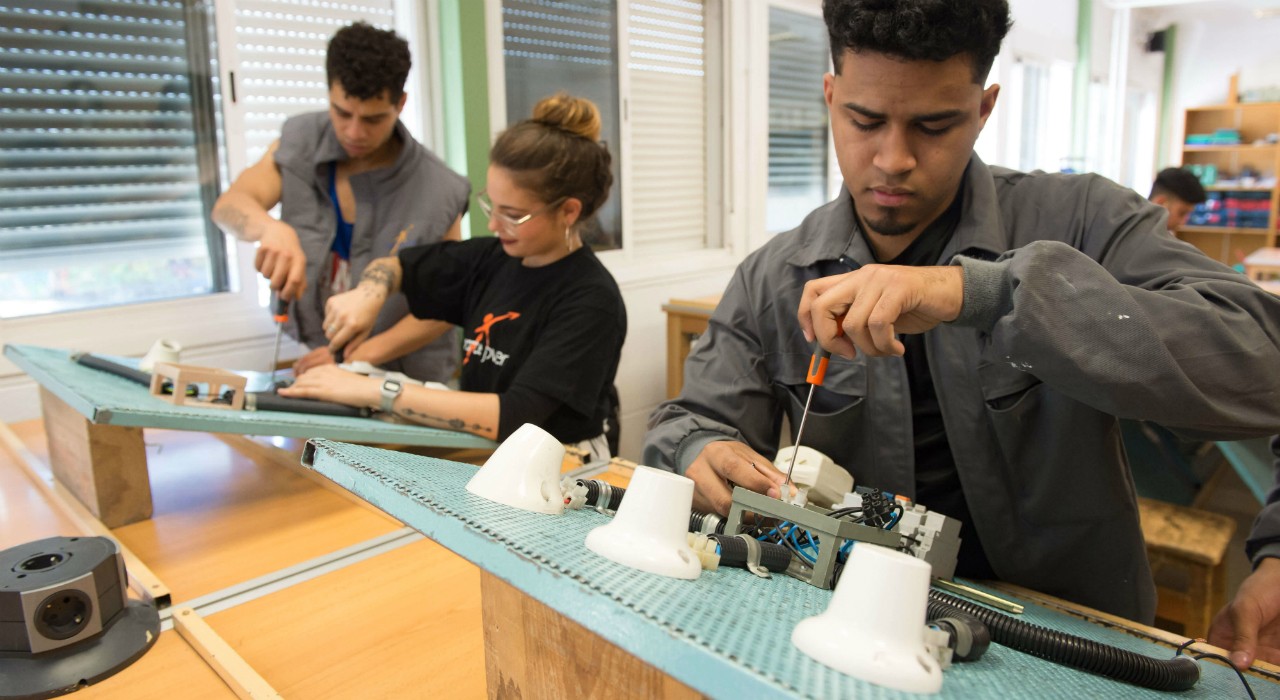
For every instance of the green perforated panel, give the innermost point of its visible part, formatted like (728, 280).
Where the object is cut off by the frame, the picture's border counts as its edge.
(725, 634)
(107, 399)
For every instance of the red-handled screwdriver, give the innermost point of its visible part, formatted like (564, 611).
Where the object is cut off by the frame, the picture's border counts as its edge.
(281, 312)
(817, 373)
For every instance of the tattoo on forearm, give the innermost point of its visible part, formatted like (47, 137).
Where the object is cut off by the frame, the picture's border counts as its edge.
(380, 273)
(442, 422)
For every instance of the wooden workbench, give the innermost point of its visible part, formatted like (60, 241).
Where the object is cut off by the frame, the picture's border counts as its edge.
(95, 421)
(686, 320)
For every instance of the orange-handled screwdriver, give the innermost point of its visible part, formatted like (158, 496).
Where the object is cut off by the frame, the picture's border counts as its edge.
(817, 374)
(280, 310)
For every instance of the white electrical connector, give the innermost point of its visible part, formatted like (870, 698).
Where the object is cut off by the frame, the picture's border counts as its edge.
(706, 549)
(938, 644)
(817, 479)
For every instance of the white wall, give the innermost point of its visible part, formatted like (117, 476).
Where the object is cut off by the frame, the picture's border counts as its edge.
(641, 380)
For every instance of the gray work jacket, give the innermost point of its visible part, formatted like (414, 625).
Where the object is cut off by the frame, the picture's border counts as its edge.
(1079, 307)
(418, 193)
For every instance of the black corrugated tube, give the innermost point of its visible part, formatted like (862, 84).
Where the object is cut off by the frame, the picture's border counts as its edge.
(1174, 673)
(597, 489)
(733, 552)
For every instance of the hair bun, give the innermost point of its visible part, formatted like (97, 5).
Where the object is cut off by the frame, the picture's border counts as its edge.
(575, 115)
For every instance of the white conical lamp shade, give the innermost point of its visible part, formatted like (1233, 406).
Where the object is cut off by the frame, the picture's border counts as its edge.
(873, 628)
(162, 350)
(649, 531)
(524, 472)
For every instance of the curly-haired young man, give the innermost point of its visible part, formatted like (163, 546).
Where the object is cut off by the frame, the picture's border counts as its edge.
(353, 185)
(987, 326)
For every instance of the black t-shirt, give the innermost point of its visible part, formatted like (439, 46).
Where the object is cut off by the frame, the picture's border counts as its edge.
(546, 339)
(937, 482)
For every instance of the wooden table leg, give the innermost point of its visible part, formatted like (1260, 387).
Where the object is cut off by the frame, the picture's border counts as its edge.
(105, 466)
(533, 651)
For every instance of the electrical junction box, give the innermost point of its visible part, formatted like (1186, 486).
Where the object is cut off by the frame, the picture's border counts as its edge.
(820, 481)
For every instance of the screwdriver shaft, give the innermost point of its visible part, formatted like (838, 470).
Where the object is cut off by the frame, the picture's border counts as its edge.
(799, 434)
(275, 355)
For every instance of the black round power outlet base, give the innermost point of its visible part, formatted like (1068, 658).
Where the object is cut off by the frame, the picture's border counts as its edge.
(61, 671)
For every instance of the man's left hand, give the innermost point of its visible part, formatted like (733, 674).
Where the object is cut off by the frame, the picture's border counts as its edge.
(864, 310)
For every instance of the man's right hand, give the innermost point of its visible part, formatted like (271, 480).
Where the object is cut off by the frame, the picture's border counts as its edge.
(280, 259)
(723, 464)
(349, 317)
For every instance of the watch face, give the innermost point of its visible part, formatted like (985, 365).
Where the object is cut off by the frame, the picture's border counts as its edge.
(391, 385)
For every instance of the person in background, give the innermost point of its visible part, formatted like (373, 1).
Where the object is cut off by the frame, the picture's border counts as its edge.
(544, 319)
(1178, 190)
(987, 328)
(353, 185)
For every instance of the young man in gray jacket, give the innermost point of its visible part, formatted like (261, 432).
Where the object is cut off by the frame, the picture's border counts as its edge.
(353, 185)
(988, 326)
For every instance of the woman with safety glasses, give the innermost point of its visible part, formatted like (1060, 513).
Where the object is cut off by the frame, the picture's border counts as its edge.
(543, 321)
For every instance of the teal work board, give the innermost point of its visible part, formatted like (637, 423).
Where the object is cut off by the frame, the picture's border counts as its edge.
(727, 634)
(94, 422)
(110, 400)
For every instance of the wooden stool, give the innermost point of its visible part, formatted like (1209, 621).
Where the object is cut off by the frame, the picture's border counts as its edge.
(1192, 542)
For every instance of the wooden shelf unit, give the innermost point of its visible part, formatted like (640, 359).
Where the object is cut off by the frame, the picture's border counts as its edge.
(1254, 120)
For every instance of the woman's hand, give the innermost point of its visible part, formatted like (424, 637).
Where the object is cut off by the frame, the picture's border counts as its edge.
(313, 359)
(332, 383)
(349, 317)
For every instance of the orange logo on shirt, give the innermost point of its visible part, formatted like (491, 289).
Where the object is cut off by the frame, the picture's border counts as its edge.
(482, 333)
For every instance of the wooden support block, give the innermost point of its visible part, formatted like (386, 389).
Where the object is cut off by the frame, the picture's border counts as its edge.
(533, 651)
(237, 674)
(105, 466)
(1194, 542)
(182, 376)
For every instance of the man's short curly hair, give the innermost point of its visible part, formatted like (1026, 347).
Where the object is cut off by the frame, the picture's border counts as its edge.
(919, 30)
(366, 61)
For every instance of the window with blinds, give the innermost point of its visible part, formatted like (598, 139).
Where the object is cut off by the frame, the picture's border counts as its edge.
(107, 155)
(572, 45)
(798, 58)
(278, 62)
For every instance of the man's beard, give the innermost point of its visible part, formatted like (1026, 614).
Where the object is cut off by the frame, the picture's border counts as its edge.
(889, 225)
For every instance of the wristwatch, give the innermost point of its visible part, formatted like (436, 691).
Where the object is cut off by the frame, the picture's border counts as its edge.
(391, 388)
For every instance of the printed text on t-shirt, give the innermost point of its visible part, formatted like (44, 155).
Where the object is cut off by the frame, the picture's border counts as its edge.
(481, 341)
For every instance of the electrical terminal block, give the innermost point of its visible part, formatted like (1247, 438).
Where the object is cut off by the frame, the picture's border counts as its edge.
(575, 493)
(938, 643)
(706, 549)
(931, 537)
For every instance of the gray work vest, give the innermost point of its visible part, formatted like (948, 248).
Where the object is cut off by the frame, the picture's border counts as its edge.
(417, 193)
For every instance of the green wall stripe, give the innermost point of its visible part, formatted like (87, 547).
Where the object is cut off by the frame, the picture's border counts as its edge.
(1080, 86)
(465, 71)
(1166, 97)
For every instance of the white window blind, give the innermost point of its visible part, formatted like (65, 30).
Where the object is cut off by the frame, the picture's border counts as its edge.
(279, 53)
(666, 60)
(106, 134)
(798, 58)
